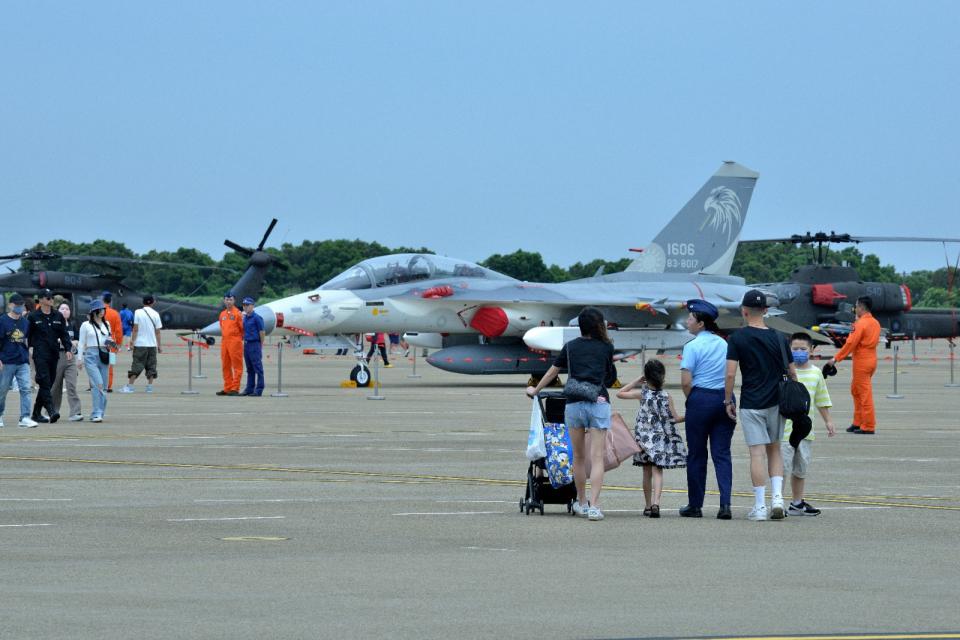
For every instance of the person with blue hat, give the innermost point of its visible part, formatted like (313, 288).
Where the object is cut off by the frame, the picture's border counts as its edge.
(253, 337)
(92, 350)
(702, 370)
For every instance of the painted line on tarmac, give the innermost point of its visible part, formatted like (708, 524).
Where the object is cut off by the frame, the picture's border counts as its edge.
(486, 549)
(36, 499)
(225, 519)
(852, 636)
(45, 524)
(450, 513)
(404, 477)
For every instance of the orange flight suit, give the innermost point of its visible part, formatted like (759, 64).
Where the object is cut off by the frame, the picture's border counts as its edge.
(862, 345)
(116, 333)
(231, 348)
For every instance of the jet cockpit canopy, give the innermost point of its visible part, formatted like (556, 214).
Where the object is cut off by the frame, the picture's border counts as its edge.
(399, 268)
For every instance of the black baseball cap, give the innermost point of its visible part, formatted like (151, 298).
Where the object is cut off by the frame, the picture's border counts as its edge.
(46, 293)
(16, 298)
(754, 298)
(148, 299)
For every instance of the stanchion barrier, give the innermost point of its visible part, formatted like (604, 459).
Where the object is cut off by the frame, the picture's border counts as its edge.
(279, 393)
(896, 353)
(414, 374)
(200, 375)
(913, 347)
(952, 383)
(376, 377)
(189, 391)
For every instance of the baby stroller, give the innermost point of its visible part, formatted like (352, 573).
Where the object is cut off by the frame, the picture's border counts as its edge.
(556, 485)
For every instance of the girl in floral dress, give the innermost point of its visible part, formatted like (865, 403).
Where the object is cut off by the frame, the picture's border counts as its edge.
(656, 432)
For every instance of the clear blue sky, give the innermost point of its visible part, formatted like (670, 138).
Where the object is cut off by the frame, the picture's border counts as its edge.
(572, 129)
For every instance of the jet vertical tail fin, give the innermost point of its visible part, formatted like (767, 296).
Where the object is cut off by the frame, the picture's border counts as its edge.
(702, 237)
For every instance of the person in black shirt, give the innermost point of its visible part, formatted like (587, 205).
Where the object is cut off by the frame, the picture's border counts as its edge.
(48, 336)
(589, 364)
(760, 352)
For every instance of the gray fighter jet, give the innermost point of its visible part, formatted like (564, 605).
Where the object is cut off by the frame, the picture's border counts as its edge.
(484, 322)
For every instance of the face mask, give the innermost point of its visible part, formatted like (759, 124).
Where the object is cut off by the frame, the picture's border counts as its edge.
(800, 357)
(19, 310)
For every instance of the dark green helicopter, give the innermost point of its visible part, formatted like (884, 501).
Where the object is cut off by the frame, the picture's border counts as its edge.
(821, 297)
(80, 289)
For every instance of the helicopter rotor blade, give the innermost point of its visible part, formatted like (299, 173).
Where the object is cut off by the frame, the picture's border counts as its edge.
(263, 241)
(239, 249)
(118, 260)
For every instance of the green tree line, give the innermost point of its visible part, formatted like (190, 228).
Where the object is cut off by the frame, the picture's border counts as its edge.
(194, 274)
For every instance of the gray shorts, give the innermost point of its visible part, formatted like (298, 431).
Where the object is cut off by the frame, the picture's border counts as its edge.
(762, 426)
(796, 463)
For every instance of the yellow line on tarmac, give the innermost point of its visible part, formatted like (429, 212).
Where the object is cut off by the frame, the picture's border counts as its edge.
(408, 477)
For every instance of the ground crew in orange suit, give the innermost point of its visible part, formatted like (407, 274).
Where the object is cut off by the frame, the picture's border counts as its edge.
(112, 316)
(231, 346)
(862, 345)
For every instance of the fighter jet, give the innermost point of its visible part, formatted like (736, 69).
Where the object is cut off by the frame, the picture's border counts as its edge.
(484, 322)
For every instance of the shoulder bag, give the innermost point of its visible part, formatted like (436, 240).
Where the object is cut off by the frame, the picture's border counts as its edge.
(794, 397)
(103, 352)
(578, 390)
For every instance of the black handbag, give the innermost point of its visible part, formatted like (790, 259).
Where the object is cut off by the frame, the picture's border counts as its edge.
(794, 397)
(101, 351)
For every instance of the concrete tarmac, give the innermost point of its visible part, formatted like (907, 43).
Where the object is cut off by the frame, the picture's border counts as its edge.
(328, 515)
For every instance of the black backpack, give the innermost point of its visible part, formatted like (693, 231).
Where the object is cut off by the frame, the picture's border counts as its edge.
(794, 397)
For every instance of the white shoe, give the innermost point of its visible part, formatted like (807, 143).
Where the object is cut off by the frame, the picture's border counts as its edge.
(149, 388)
(27, 423)
(594, 513)
(758, 513)
(580, 509)
(96, 419)
(776, 509)
(126, 389)
(76, 418)
(1, 422)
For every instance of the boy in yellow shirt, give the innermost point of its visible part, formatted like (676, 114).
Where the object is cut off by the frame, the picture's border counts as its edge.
(796, 461)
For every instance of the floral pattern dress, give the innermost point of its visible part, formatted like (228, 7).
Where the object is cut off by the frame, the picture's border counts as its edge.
(660, 442)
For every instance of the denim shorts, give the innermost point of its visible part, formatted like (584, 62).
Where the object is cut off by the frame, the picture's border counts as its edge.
(587, 415)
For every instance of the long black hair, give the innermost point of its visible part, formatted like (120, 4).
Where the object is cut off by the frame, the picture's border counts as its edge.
(592, 324)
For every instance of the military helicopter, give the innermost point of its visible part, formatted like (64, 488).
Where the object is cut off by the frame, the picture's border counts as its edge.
(821, 296)
(80, 289)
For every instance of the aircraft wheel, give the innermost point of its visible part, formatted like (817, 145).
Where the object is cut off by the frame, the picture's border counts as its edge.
(361, 375)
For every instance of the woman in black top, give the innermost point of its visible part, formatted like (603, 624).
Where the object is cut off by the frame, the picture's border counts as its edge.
(589, 364)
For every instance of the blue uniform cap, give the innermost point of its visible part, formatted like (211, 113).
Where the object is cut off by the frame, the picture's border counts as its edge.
(248, 300)
(702, 306)
(228, 294)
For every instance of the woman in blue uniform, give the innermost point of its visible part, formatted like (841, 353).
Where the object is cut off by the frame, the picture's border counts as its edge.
(702, 371)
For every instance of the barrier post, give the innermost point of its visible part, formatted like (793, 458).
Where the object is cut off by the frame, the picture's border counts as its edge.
(896, 352)
(414, 374)
(279, 392)
(913, 347)
(189, 391)
(376, 377)
(200, 375)
(952, 383)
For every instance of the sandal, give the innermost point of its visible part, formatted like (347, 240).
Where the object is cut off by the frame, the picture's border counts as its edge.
(655, 511)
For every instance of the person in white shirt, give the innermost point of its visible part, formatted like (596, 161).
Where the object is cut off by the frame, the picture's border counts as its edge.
(146, 345)
(94, 355)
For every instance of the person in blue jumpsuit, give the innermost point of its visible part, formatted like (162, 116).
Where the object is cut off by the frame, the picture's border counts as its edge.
(702, 370)
(252, 348)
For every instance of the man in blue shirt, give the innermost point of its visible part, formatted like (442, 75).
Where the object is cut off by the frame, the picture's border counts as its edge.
(253, 337)
(126, 321)
(15, 358)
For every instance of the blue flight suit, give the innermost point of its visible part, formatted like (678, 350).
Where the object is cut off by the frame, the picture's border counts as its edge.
(253, 353)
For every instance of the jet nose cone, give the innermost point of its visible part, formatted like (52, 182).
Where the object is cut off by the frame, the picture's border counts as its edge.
(212, 329)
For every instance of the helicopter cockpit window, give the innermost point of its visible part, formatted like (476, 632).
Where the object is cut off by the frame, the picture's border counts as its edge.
(386, 271)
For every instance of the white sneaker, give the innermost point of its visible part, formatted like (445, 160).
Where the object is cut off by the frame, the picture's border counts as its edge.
(1, 422)
(96, 419)
(78, 417)
(580, 509)
(27, 423)
(594, 513)
(758, 513)
(776, 509)
(126, 389)
(149, 388)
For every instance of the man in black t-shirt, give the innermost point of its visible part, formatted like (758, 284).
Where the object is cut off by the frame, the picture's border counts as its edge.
(760, 353)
